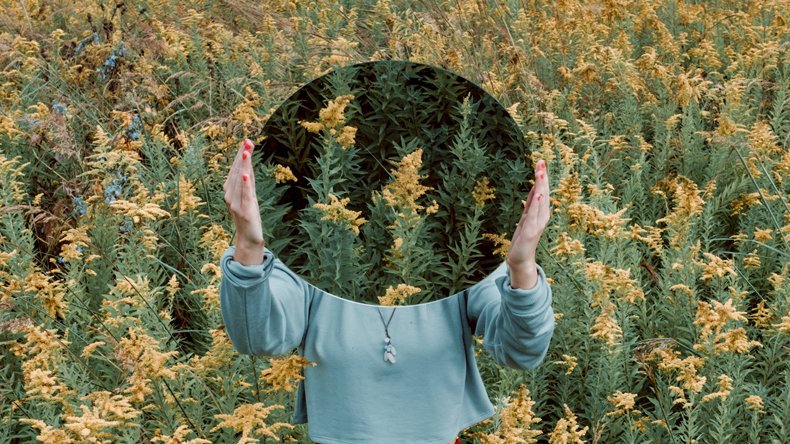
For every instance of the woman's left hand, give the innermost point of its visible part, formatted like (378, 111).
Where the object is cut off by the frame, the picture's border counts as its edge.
(523, 246)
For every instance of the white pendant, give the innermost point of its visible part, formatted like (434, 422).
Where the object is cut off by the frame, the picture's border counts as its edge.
(389, 352)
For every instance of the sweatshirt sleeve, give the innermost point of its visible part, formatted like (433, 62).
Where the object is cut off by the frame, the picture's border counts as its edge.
(264, 306)
(516, 324)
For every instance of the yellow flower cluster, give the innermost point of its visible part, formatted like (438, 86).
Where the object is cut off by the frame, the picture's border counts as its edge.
(336, 211)
(398, 295)
(187, 200)
(285, 373)
(594, 221)
(405, 189)
(570, 363)
(623, 402)
(218, 356)
(501, 242)
(332, 118)
(483, 192)
(567, 429)
(610, 281)
(250, 420)
(283, 174)
(140, 353)
(606, 327)
(515, 421)
(725, 386)
(567, 246)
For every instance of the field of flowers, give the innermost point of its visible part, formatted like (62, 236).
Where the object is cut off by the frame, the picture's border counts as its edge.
(665, 125)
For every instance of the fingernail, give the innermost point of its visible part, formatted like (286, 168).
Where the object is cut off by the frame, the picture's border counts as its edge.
(542, 175)
(244, 155)
(244, 177)
(248, 144)
(539, 196)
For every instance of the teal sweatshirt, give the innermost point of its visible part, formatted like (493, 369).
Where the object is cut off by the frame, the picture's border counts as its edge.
(353, 395)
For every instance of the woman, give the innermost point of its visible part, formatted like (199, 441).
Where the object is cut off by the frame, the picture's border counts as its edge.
(403, 374)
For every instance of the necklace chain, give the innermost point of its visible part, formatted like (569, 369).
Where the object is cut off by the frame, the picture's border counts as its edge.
(387, 324)
(389, 349)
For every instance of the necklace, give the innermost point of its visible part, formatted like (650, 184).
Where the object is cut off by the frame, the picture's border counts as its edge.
(389, 349)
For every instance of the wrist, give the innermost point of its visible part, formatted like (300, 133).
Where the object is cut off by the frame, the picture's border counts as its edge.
(523, 275)
(249, 253)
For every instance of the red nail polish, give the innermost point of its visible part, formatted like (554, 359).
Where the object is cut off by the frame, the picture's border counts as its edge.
(244, 155)
(542, 175)
(244, 177)
(539, 196)
(248, 144)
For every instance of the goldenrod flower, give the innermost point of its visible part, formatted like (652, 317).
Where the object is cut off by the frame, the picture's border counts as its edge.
(515, 421)
(755, 403)
(567, 246)
(404, 190)
(567, 429)
(501, 242)
(735, 341)
(623, 402)
(250, 420)
(336, 211)
(717, 267)
(725, 385)
(569, 362)
(220, 353)
(606, 327)
(283, 174)
(482, 192)
(179, 436)
(398, 295)
(714, 315)
(284, 373)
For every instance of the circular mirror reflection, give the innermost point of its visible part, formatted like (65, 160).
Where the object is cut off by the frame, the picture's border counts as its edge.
(391, 175)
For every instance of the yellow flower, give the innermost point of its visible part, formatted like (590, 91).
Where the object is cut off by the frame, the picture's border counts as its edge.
(404, 190)
(398, 295)
(567, 246)
(763, 235)
(482, 192)
(346, 136)
(725, 385)
(501, 242)
(713, 316)
(187, 201)
(515, 421)
(284, 373)
(567, 429)
(784, 326)
(336, 211)
(761, 315)
(716, 267)
(179, 436)
(606, 328)
(569, 361)
(735, 341)
(754, 403)
(752, 260)
(283, 174)
(250, 420)
(623, 402)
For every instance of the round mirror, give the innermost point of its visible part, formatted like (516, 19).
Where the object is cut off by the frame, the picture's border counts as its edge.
(391, 182)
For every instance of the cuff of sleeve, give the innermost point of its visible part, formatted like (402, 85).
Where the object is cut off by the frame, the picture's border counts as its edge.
(522, 301)
(246, 275)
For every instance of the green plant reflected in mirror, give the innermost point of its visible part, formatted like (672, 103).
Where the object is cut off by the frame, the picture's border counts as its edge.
(391, 182)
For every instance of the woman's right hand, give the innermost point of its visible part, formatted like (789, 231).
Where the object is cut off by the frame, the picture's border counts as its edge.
(242, 201)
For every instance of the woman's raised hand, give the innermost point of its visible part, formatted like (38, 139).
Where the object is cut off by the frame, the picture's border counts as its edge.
(523, 246)
(242, 201)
